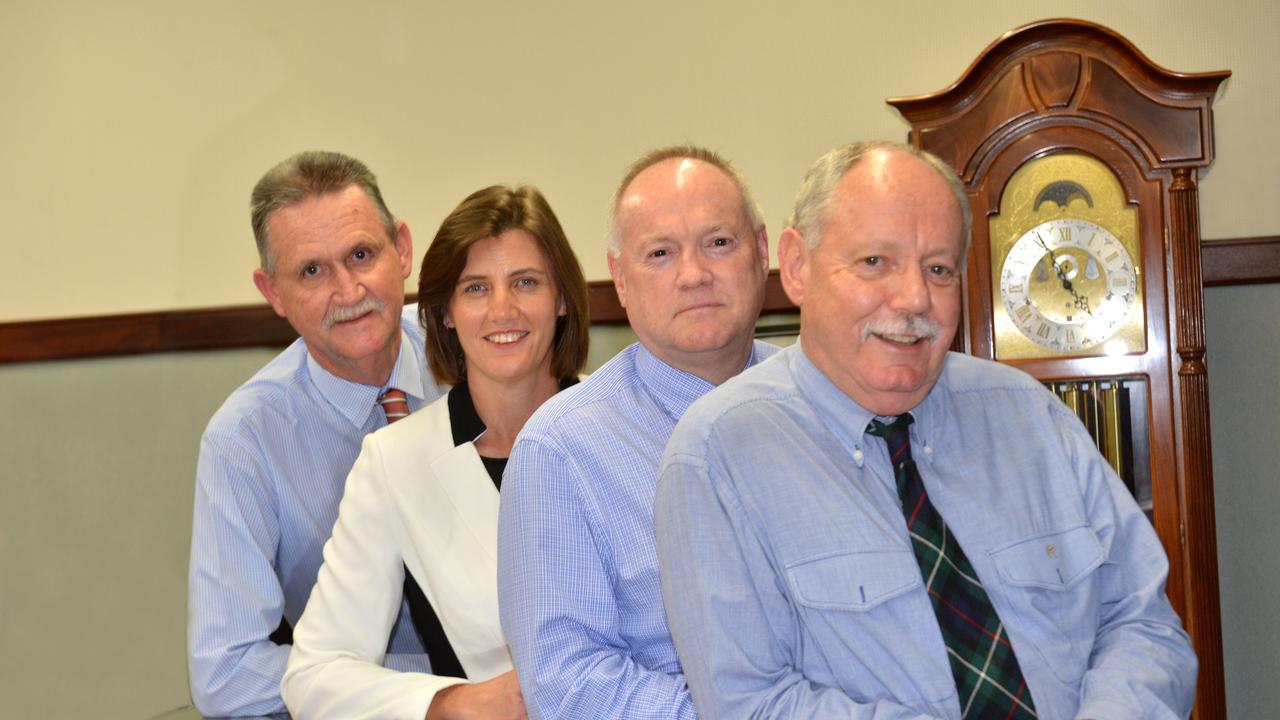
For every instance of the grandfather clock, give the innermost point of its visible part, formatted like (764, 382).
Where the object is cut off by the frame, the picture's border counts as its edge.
(1081, 158)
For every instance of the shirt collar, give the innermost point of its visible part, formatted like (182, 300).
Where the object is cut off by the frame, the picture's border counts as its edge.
(673, 389)
(848, 420)
(355, 401)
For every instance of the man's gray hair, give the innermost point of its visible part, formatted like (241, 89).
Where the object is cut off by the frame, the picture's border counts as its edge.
(818, 189)
(691, 152)
(306, 175)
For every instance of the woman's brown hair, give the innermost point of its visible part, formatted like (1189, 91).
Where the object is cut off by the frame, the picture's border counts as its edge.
(488, 213)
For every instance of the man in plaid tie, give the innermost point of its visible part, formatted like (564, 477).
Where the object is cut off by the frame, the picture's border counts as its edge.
(868, 526)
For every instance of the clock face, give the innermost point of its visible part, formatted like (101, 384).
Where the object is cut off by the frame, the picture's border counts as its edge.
(1068, 284)
(1066, 267)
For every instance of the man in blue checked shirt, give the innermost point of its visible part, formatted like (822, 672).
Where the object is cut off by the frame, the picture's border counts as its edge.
(868, 526)
(577, 569)
(274, 458)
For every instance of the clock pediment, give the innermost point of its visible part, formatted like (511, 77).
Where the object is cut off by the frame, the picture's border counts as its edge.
(1065, 72)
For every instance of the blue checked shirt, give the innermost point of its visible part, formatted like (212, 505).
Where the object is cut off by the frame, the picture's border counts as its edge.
(793, 591)
(273, 464)
(577, 570)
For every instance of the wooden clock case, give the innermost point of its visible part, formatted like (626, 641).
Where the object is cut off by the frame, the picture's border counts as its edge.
(1073, 86)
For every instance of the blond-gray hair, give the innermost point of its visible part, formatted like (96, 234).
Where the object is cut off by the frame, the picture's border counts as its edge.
(818, 189)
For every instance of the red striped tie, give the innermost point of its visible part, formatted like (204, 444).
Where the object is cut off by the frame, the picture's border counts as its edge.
(394, 404)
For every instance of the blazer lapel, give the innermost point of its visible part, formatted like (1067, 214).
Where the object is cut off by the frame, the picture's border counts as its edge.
(475, 499)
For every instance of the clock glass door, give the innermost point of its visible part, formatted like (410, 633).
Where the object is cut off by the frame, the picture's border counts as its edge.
(1065, 264)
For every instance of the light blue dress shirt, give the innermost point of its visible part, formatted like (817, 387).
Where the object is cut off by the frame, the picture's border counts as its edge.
(790, 582)
(273, 464)
(577, 571)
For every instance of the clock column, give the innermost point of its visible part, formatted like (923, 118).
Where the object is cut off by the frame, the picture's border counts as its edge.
(1199, 533)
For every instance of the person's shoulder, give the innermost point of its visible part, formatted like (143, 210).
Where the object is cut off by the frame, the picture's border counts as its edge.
(761, 388)
(607, 390)
(965, 373)
(404, 452)
(988, 386)
(264, 393)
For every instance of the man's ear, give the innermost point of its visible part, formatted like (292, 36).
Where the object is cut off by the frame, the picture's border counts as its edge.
(267, 286)
(793, 259)
(403, 242)
(619, 284)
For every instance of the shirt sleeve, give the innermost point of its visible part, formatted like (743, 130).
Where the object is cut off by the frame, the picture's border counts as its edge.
(335, 669)
(557, 604)
(234, 596)
(735, 631)
(1142, 663)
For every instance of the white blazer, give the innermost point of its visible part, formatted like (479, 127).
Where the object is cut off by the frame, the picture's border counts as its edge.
(412, 500)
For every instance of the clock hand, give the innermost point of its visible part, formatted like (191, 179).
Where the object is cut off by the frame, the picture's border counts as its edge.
(1081, 302)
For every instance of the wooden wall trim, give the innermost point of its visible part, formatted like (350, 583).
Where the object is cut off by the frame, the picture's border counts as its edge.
(1243, 261)
(228, 327)
(1240, 261)
(138, 333)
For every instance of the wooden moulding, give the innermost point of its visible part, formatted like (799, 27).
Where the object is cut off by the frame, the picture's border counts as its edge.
(227, 327)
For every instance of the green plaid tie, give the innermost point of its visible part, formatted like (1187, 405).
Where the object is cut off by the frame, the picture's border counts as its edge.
(986, 672)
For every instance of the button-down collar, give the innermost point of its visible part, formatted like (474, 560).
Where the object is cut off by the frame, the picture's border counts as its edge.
(355, 401)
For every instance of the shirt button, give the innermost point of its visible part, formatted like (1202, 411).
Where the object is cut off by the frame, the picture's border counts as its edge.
(857, 457)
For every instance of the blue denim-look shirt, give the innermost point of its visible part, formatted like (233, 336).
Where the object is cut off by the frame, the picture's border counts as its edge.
(273, 464)
(792, 589)
(577, 571)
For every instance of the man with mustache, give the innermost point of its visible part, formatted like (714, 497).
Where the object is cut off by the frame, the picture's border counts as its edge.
(577, 571)
(868, 526)
(274, 458)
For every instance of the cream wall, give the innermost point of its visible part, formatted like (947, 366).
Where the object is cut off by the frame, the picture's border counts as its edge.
(185, 104)
(133, 131)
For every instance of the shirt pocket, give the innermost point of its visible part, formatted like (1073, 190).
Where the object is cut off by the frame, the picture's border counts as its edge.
(857, 581)
(1049, 583)
(861, 614)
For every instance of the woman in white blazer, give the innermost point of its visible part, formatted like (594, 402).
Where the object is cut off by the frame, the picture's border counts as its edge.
(504, 305)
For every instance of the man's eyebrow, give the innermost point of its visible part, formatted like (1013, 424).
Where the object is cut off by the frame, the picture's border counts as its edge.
(304, 263)
(650, 240)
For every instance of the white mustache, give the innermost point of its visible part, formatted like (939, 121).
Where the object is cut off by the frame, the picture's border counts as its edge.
(909, 326)
(343, 314)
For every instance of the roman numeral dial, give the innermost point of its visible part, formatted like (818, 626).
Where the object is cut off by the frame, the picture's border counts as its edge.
(1068, 284)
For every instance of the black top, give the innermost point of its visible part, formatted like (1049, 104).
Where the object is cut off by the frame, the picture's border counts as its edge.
(466, 425)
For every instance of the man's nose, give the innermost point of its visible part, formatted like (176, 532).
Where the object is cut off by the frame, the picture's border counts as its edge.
(348, 286)
(911, 291)
(693, 270)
